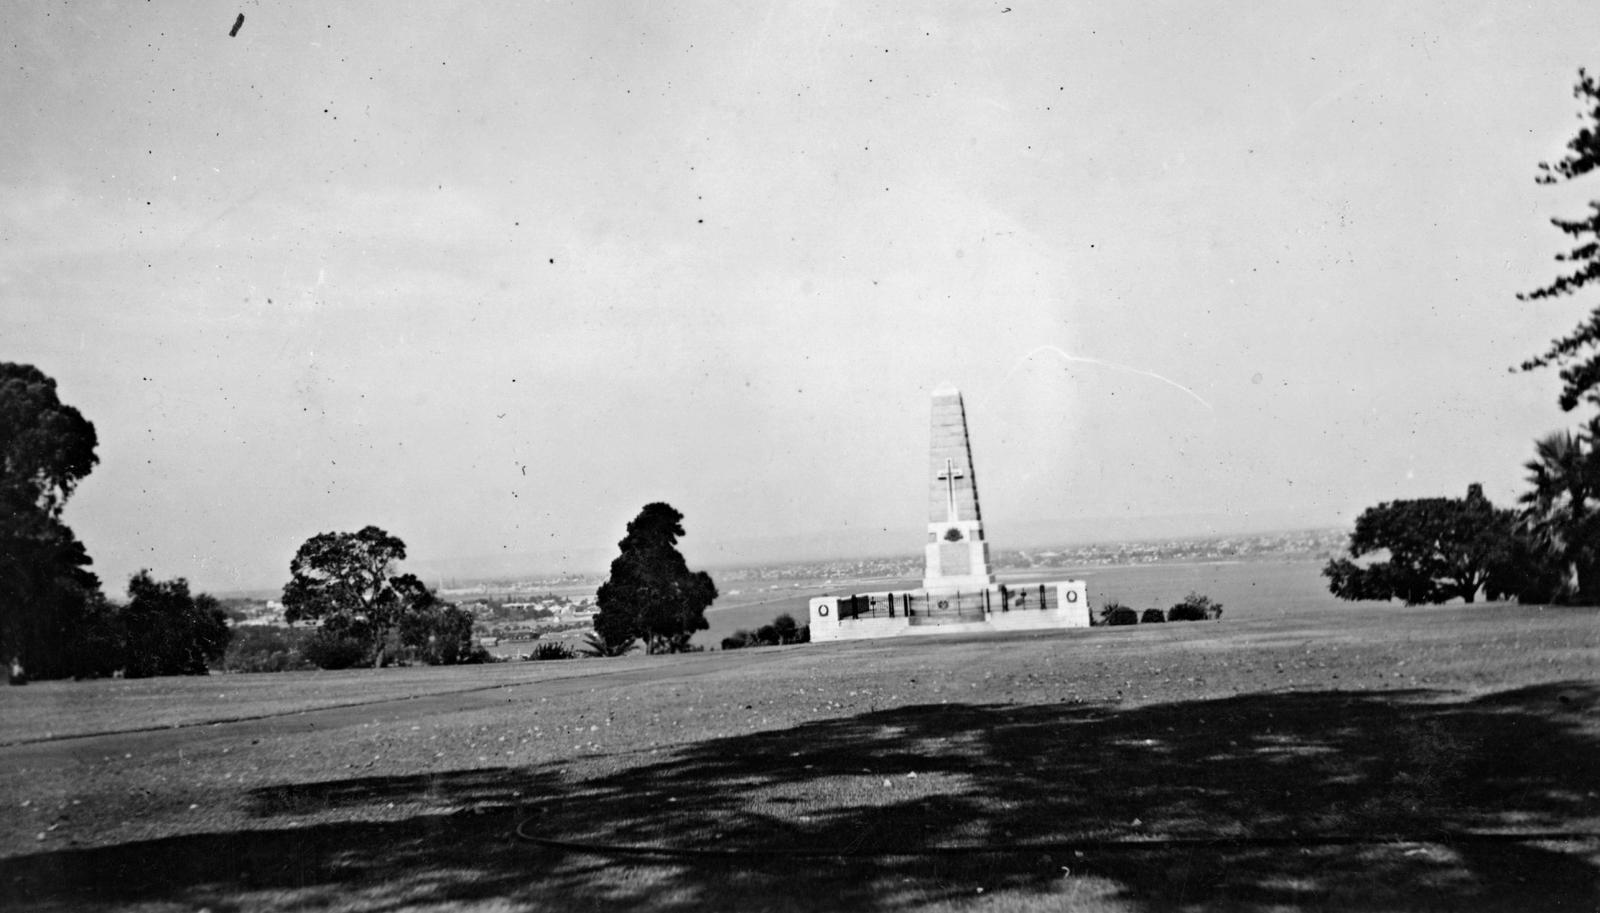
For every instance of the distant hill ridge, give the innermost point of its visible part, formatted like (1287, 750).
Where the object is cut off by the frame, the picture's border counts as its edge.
(1307, 544)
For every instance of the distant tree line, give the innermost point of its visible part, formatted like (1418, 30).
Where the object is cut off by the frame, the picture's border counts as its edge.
(54, 620)
(782, 630)
(1194, 607)
(1547, 550)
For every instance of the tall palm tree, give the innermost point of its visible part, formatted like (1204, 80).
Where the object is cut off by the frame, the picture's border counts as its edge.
(1562, 509)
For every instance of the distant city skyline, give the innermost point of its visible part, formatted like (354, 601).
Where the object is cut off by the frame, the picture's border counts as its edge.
(493, 278)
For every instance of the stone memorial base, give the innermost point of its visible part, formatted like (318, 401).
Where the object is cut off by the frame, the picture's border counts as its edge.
(1030, 607)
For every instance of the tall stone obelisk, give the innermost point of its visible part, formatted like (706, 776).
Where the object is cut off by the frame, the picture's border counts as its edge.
(957, 555)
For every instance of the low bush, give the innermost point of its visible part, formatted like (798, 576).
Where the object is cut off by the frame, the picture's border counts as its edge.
(551, 649)
(1195, 607)
(1106, 611)
(595, 645)
(329, 650)
(1122, 615)
(1152, 616)
(783, 630)
(267, 648)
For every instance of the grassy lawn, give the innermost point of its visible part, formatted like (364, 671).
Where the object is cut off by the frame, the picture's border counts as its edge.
(51, 710)
(1349, 757)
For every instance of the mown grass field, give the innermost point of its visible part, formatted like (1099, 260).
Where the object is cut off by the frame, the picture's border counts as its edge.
(1371, 758)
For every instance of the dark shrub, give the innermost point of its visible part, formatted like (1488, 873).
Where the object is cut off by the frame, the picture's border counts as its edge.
(440, 634)
(267, 648)
(334, 650)
(1106, 611)
(168, 631)
(1151, 616)
(767, 636)
(596, 645)
(552, 649)
(787, 631)
(1122, 615)
(732, 643)
(1530, 573)
(1195, 607)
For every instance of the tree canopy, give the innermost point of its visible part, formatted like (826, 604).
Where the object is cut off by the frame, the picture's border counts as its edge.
(1560, 509)
(346, 581)
(651, 594)
(46, 448)
(167, 631)
(440, 634)
(1577, 354)
(1439, 549)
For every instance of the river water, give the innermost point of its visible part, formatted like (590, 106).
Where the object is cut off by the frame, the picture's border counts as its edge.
(1246, 589)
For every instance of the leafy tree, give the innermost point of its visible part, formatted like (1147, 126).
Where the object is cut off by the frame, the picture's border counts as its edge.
(1560, 513)
(651, 594)
(1439, 549)
(346, 581)
(785, 628)
(333, 646)
(1529, 572)
(95, 642)
(166, 631)
(440, 634)
(267, 648)
(1578, 352)
(46, 448)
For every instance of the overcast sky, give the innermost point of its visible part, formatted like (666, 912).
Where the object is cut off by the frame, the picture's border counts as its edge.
(494, 278)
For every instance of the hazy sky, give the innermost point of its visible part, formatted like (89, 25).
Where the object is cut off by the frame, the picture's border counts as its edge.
(494, 278)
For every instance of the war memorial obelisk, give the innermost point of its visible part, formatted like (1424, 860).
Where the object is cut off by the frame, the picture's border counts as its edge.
(959, 593)
(957, 555)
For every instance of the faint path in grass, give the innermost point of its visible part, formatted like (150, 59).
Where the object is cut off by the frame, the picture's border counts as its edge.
(553, 678)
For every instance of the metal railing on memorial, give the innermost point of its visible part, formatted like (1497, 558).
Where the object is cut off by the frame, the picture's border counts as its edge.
(969, 603)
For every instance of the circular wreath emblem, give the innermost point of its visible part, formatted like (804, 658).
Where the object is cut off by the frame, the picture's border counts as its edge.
(944, 603)
(1072, 595)
(822, 610)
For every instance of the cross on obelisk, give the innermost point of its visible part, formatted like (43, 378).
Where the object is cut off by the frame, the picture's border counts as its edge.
(956, 555)
(949, 476)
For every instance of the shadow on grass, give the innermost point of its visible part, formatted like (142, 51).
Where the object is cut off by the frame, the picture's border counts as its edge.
(1398, 766)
